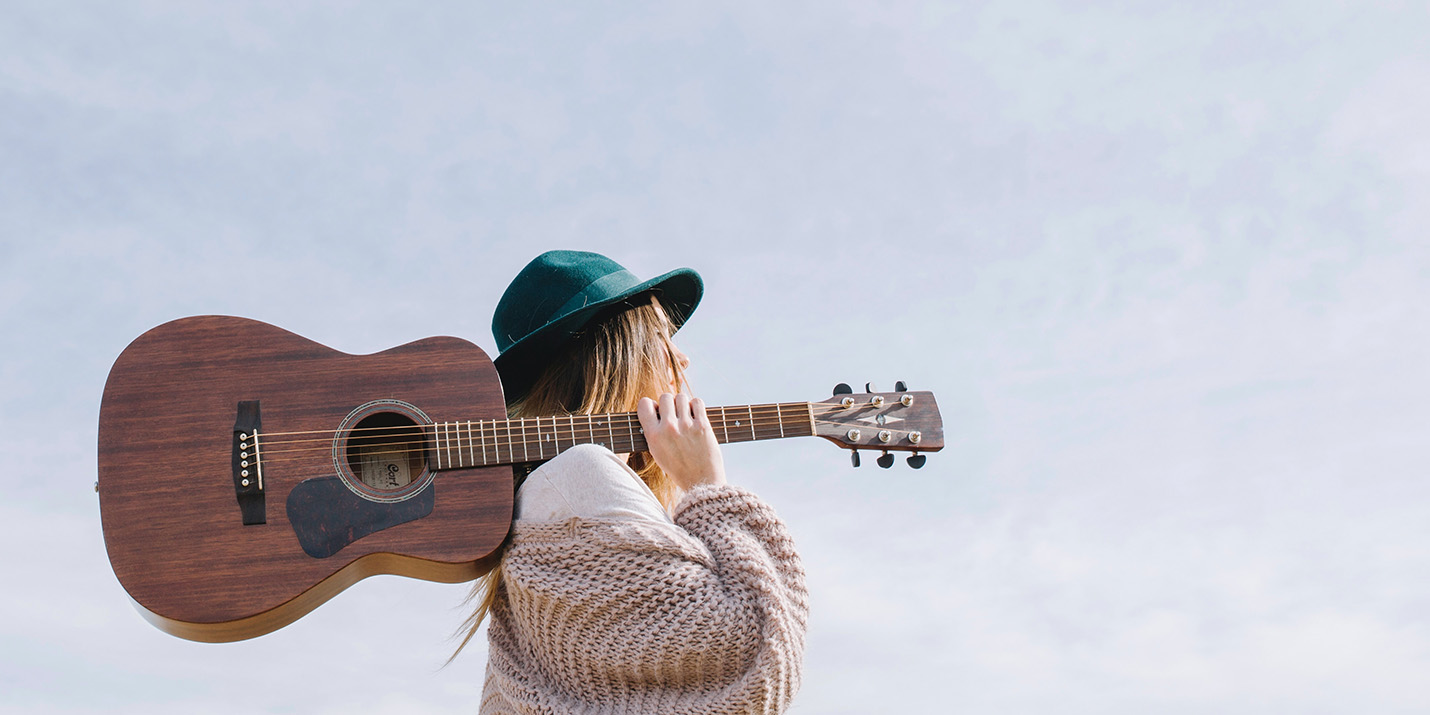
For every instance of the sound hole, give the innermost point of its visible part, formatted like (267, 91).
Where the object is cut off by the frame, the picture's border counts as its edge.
(385, 451)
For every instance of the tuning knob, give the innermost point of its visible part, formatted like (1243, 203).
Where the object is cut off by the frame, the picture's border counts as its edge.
(854, 457)
(869, 387)
(900, 386)
(886, 460)
(843, 389)
(917, 460)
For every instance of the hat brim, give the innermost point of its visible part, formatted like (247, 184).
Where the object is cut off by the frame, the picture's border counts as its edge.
(678, 291)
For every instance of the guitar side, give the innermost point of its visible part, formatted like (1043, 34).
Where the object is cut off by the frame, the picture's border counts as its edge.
(172, 523)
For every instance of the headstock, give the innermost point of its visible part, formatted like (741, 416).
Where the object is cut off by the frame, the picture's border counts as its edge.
(898, 421)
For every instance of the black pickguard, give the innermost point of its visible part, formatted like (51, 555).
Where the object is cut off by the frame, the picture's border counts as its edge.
(327, 516)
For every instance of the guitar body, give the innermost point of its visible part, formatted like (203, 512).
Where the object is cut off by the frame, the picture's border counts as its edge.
(169, 422)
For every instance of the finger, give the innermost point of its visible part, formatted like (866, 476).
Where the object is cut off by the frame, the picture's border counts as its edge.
(667, 407)
(645, 410)
(682, 408)
(697, 408)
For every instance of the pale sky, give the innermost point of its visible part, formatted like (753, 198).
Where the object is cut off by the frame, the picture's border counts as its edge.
(1165, 269)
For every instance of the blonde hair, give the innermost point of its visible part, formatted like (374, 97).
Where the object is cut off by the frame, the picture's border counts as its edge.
(619, 358)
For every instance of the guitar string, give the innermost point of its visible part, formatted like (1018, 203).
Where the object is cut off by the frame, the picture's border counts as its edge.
(824, 407)
(767, 431)
(510, 425)
(764, 426)
(530, 436)
(504, 460)
(771, 430)
(772, 425)
(770, 420)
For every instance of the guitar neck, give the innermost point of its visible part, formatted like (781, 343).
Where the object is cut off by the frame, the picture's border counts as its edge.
(479, 443)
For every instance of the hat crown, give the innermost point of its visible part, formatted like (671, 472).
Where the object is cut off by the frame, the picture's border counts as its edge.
(551, 286)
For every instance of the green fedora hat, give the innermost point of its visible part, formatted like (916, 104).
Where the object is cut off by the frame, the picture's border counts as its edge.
(556, 295)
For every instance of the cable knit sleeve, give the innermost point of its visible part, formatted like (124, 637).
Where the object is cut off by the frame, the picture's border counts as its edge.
(600, 616)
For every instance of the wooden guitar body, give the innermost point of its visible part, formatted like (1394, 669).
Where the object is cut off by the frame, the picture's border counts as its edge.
(168, 473)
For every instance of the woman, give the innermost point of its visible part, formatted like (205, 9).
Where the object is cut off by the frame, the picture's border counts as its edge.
(640, 582)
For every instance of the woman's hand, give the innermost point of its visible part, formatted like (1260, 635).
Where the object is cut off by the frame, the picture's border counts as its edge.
(680, 438)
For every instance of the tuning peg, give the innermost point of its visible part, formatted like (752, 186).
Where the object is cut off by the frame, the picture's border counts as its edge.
(843, 388)
(869, 387)
(854, 457)
(917, 460)
(886, 461)
(900, 386)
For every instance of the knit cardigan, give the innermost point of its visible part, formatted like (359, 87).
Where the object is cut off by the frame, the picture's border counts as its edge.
(607, 616)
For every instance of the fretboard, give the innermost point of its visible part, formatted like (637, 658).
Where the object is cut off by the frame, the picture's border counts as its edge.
(477, 443)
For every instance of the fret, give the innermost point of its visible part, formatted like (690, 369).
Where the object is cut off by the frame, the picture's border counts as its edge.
(445, 444)
(751, 410)
(451, 429)
(724, 424)
(511, 442)
(489, 434)
(611, 435)
(446, 441)
(525, 457)
(481, 434)
(437, 444)
(496, 444)
(436, 455)
(470, 453)
(498, 440)
(572, 420)
(630, 434)
(454, 443)
(781, 418)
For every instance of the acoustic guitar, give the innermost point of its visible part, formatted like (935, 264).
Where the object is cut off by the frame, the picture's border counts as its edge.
(247, 474)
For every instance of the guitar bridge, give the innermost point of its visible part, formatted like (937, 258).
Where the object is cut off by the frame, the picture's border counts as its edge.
(247, 469)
